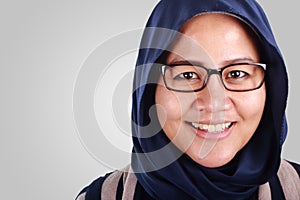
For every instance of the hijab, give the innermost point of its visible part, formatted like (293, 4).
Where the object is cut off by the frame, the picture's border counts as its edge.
(163, 170)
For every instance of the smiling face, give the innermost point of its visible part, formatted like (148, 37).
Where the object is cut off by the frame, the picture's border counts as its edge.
(211, 125)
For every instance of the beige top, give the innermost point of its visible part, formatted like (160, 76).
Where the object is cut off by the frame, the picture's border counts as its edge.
(288, 177)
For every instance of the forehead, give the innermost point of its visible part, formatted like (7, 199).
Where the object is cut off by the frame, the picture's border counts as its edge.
(215, 37)
(207, 20)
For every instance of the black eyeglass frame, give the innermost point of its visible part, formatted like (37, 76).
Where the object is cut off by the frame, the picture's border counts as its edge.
(214, 71)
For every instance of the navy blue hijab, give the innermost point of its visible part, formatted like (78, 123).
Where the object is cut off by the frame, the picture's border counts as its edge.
(162, 170)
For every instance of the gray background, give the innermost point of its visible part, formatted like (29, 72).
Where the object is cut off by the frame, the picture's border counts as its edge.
(42, 47)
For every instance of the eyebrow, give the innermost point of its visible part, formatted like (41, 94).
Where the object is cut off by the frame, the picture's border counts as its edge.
(224, 63)
(237, 60)
(182, 62)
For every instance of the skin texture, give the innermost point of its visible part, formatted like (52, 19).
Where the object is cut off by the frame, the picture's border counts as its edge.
(225, 41)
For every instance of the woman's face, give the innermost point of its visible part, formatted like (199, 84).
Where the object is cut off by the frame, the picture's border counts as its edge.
(235, 115)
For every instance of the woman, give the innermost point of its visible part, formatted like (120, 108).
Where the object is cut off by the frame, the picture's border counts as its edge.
(213, 74)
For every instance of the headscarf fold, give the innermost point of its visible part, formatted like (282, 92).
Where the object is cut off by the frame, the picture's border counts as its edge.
(162, 170)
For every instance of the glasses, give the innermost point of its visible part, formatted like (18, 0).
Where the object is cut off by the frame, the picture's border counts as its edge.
(238, 77)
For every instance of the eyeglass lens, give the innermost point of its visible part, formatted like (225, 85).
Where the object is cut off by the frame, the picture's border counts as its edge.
(237, 77)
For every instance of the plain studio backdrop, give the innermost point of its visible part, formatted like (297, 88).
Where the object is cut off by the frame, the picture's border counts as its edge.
(44, 46)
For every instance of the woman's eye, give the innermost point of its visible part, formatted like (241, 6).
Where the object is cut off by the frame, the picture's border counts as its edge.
(236, 74)
(187, 76)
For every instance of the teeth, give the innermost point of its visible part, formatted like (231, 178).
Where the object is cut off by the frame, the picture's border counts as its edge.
(203, 126)
(227, 125)
(219, 127)
(196, 125)
(211, 128)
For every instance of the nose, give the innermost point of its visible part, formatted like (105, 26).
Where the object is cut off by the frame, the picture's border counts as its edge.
(214, 97)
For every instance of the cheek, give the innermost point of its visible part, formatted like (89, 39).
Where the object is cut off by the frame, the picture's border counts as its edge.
(168, 104)
(251, 105)
(171, 112)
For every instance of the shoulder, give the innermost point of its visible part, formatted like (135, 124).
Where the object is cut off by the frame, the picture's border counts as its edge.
(285, 184)
(289, 170)
(93, 190)
(296, 166)
(113, 186)
(288, 175)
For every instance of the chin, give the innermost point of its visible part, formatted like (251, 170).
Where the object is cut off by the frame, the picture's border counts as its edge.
(213, 163)
(213, 159)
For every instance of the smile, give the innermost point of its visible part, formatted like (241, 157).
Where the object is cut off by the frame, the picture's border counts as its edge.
(212, 128)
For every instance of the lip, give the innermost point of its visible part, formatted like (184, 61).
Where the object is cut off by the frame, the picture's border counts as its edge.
(212, 136)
